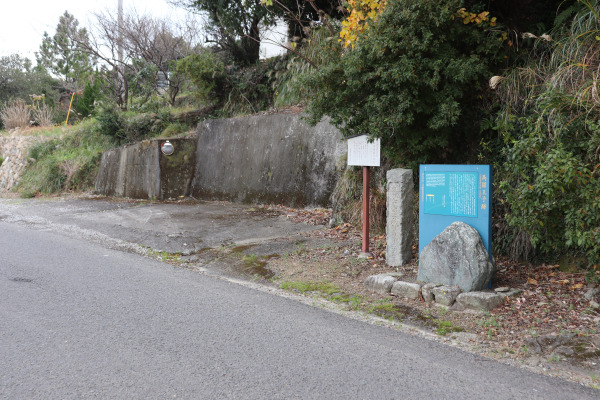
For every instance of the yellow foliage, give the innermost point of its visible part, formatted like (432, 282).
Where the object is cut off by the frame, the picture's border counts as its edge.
(361, 12)
(479, 19)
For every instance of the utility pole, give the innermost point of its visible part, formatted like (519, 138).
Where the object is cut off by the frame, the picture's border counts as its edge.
(121, 70)
(120, 27)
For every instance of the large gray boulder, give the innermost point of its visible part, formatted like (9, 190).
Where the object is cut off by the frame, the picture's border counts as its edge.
(456, 257)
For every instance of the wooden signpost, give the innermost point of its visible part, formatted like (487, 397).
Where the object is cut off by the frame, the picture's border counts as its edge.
(365, 154)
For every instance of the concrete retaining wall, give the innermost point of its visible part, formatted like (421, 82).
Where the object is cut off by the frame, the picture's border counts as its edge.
(268, 158)
(141, 171)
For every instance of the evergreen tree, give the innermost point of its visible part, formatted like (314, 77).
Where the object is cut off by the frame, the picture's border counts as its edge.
(62, 55)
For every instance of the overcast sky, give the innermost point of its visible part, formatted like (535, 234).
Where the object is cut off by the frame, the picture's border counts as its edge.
(23, 22)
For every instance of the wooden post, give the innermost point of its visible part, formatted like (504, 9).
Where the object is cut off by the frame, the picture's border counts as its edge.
(69, 112)
(365, 210)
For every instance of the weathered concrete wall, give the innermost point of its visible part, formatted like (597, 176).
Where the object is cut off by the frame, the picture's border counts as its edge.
(177, 170)
(269, 158)
(142, 171)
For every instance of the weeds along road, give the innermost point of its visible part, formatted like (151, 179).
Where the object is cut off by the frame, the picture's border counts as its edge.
(79, 320)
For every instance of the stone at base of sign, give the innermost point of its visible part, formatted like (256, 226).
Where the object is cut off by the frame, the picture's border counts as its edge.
(445, 295)
(480, 301)
(380, 283)
(456, 257)
(427, 291)
(406, 289)
(434, 293)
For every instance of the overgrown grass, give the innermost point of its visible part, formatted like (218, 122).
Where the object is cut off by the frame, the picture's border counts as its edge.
(67, 160)
(383, 308)
(446, 327)
(67, 157)
(325, 288)
(347, 199)
(15, 114)
(175, 129)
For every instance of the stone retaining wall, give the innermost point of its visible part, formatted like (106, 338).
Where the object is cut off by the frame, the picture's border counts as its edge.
(14, 148)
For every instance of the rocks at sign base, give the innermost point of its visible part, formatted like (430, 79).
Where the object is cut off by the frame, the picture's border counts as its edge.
(458, 257)
(480, 301)
(380, 283)
(406, 289)
(445, 295)
(426, 291)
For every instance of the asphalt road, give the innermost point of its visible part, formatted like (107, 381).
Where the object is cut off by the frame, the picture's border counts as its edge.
(186, 226)
(78, 320)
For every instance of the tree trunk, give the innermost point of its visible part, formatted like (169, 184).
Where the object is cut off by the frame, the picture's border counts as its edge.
(251, 43)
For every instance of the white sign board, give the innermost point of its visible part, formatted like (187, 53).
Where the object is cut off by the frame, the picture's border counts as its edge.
(362, 153)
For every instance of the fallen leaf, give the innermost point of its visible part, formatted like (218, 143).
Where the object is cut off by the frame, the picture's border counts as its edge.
(563, 281)
(576, 286)
(532, 281)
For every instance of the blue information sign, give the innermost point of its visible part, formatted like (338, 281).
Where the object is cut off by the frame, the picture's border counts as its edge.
(450, 193)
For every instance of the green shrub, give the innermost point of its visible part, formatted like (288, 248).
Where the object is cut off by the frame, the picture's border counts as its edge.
(110, 123)
(206, 71)
(289, 73)
(234, 89)
(248, 89)
(84, 104)
(131, 127)
(66, 163)
(416, 79)
(150, 104)
(551, 186)
(550, 175)
(174, 129)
